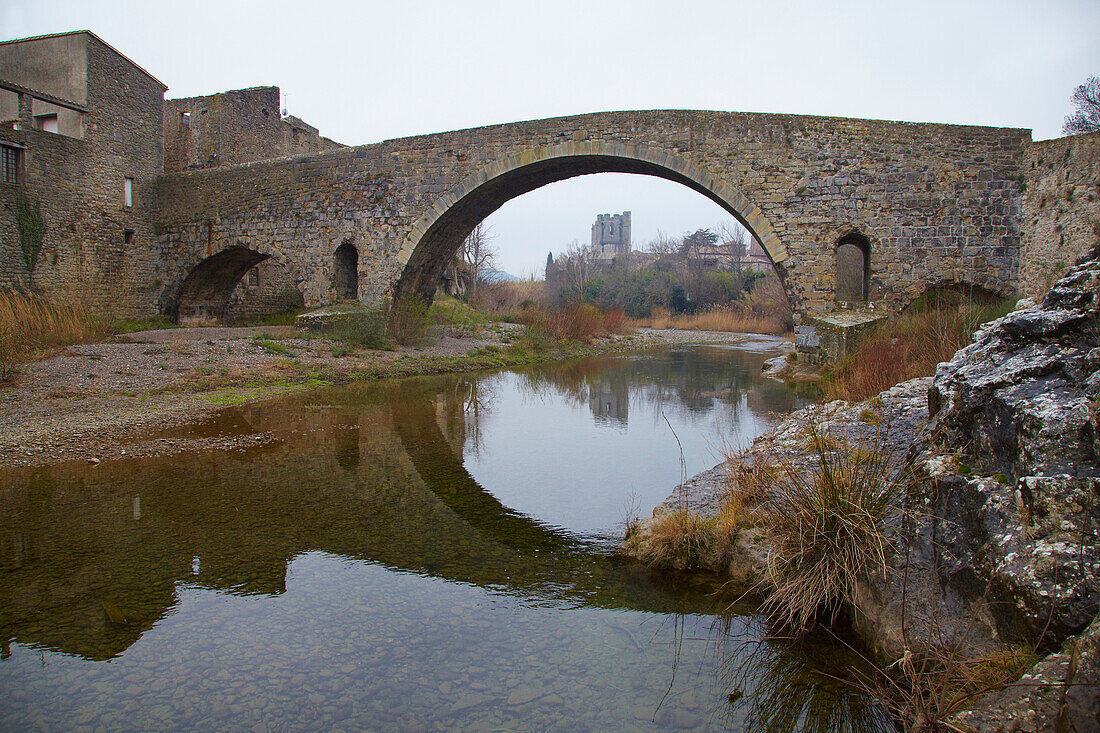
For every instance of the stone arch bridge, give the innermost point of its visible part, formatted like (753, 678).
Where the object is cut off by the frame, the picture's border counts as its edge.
(930, 204)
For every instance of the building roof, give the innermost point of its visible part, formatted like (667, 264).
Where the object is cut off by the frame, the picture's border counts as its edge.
(93, 35)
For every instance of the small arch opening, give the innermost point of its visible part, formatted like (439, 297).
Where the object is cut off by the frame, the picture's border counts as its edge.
(346, 273)
(853, 267)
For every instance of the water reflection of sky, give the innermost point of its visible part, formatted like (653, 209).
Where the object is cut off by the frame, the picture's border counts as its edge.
(580, 451)
(352, 574)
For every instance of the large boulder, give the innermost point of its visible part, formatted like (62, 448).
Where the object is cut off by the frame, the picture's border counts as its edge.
(1018, 407)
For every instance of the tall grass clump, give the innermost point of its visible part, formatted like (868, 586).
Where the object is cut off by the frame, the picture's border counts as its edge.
(910, 345)
(829, 522)
(30, 323)
(923, 691)
(407, 320)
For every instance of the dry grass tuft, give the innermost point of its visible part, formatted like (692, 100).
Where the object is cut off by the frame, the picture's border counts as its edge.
(828, 523)
(680, 539)
(29, 324)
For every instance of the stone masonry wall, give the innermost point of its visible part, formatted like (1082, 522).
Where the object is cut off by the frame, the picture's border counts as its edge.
(1061, 208)
(234, 127)
(938, 203)
(96, 250)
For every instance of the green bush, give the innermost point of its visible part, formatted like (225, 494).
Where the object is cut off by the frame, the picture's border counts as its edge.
(407, 320)
(366, 329)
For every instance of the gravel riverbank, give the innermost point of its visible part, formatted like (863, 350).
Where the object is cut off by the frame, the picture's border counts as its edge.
(115, 399)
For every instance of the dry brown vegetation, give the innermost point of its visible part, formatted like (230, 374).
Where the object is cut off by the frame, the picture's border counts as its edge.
(924, 690)
(764, 309)
(572, 323)
(29, 324)
(719, 319)
(909, 346)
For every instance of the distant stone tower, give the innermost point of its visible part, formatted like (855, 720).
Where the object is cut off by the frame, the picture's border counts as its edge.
(611, 235)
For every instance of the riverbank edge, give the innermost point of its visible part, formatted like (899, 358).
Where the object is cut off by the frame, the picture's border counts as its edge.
(878, 615)
(59, 411)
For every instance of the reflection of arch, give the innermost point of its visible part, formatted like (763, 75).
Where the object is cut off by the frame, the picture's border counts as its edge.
(206, 289)
(345, 279)
(435, 238)
(853, 267)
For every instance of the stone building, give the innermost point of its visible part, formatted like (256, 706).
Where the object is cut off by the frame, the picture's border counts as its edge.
(234, 127)
(611, 235)
(80, 136)
(84, 133)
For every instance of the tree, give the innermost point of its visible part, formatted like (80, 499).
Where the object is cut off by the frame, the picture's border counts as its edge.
(477, 256)
(571, 273)
(734, 239)
(1086, 98)
(697, 259)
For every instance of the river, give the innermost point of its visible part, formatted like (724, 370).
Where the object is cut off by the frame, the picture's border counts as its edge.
(423, 554)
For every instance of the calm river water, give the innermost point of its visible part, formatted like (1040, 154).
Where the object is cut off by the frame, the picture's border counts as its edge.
(429, 554)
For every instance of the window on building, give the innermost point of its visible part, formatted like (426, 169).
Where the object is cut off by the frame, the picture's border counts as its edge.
(46, 123)
(185, 121)
(11, 159)
(254, 277)
(128, 192)
(127, 236)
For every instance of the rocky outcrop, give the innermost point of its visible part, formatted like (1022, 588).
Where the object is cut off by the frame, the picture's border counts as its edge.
(997, 542)
(1019, 409)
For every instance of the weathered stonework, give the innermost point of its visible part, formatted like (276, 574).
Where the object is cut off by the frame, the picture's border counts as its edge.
(1060, 214)
(234, 127)
(96, 250)
(931, 205)
(938, 203)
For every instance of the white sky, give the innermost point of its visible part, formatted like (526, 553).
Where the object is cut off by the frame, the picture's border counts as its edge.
(368, 71)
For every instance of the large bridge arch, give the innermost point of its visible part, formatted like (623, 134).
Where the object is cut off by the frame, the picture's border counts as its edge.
(934, 201)
(437, 235)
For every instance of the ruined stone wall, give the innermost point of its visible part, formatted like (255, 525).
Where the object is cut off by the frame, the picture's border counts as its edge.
(1061, 208)
(939, 204)
(229, 128)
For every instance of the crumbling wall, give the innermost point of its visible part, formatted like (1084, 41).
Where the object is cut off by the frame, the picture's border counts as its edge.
(1060, 215)
(238, 126)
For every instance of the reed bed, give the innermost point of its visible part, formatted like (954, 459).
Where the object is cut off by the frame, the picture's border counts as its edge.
(731, 319)
(30, 324)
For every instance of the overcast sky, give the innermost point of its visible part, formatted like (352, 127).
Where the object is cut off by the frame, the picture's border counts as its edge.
(368, 71)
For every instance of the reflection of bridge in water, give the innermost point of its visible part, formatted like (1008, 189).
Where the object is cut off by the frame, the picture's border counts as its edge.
(373, 479)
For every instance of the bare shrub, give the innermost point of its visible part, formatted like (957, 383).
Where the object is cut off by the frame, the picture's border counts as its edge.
(407, 320)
